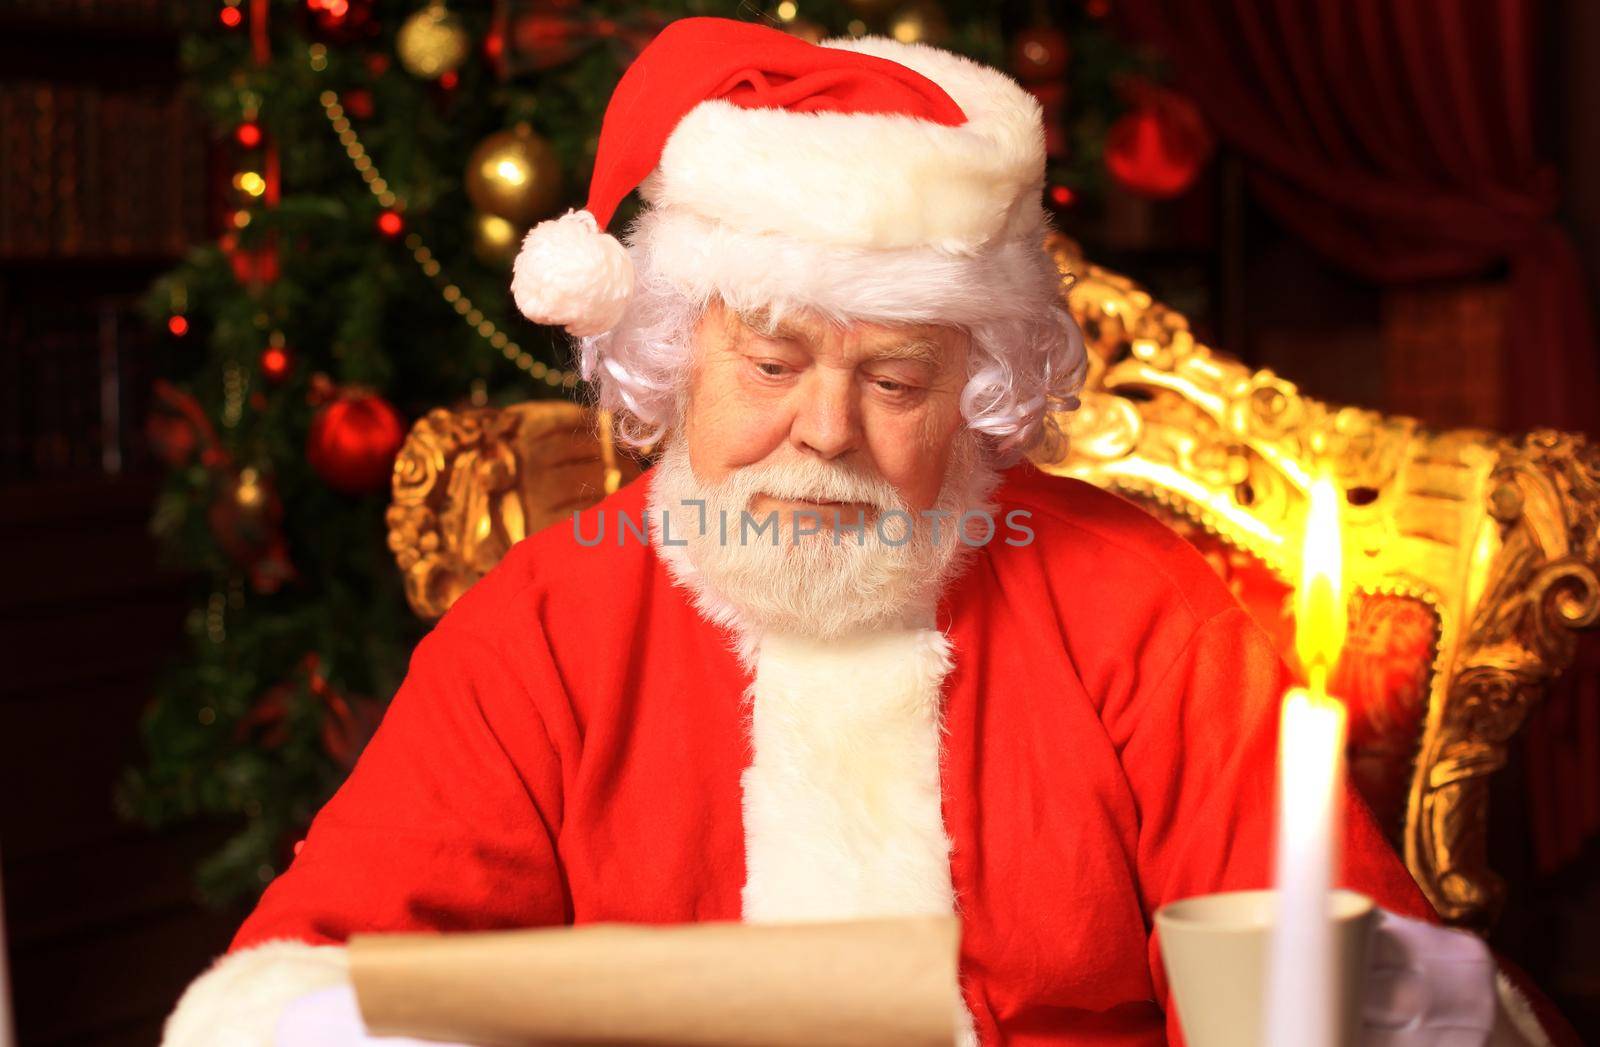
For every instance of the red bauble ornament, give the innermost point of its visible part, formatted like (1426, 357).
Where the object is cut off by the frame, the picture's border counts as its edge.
(358, 103)
(354, 440)
(1040, 53)
(1159, 147)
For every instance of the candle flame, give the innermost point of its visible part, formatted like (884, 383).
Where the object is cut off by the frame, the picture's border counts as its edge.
(1319, 599)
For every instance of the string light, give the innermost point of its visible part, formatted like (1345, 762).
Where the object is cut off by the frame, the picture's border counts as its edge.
(449, 290)
(275, 362)
(250, 182)
(232, 395)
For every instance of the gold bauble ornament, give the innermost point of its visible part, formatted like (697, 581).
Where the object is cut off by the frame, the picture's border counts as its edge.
(432, 42)
(514, 174)
(919, 22)
(494, 240)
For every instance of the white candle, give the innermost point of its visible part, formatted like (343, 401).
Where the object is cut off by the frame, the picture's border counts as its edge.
(1302, 988)
(1302, 983)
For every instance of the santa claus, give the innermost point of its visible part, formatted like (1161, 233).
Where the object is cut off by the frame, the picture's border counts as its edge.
(841, 653)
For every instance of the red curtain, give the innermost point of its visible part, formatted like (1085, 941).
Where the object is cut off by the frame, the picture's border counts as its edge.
(1398, 139)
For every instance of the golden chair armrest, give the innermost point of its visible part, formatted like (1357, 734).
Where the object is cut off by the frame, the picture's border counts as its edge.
(1532, 583)
(469, 484)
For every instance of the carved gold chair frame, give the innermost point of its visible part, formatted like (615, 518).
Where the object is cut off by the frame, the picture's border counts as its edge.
(1496, 534)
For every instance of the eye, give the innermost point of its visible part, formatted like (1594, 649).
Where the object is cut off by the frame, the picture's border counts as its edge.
(771, 368)
(894, 387)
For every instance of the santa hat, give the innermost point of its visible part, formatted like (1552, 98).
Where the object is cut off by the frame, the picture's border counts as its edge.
(867, 176)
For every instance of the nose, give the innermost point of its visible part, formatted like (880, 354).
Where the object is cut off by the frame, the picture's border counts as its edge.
(826, 423)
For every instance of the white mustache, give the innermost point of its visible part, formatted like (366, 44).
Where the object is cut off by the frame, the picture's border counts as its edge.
(812, 481)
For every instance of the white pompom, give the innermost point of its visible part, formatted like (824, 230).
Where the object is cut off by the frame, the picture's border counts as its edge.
(570, 273)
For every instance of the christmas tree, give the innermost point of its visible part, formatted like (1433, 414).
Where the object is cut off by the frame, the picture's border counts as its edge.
(376, 169)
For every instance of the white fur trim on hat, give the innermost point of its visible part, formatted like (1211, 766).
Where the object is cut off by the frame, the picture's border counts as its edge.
(238, 1001)
(705, 258)
(865, 179)
(570, 273)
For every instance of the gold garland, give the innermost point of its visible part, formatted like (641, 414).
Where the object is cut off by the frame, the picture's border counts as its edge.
(449, 290)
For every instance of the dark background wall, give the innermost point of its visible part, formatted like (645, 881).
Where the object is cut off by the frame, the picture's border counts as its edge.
(103, 926)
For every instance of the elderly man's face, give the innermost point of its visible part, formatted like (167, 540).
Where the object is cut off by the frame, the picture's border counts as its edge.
(882, 399)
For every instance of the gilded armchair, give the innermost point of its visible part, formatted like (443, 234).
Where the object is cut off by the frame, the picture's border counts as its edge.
(1471, 556)
(469, 484)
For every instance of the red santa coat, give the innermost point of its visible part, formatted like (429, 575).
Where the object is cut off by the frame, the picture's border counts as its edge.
(568, 746)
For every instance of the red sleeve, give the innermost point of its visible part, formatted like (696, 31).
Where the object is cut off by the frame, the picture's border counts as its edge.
(449, 820)
(1199, 748)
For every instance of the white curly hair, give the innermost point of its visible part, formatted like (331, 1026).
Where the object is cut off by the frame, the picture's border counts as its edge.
(1026, 364)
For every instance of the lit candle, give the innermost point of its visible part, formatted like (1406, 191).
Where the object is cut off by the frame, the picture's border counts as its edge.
(1301, 989)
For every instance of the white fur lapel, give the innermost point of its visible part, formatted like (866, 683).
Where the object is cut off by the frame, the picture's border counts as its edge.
(842, 813)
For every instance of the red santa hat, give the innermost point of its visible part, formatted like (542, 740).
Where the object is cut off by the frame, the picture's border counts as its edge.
(848, 174)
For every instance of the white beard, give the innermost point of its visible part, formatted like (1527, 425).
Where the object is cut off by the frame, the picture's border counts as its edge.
(841, 800)
(824, 585)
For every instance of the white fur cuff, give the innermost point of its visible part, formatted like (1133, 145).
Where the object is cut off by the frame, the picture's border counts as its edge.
(1519, 1012)
(237, 1002)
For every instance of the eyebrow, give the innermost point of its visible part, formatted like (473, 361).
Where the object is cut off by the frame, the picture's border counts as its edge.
(918, 349)
(760, 321)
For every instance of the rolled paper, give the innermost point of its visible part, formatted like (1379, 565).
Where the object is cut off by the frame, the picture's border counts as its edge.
(854, 984)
